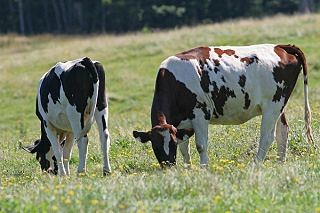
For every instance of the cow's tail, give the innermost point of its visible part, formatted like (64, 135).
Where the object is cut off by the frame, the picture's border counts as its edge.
(291, 49)
(90, 67)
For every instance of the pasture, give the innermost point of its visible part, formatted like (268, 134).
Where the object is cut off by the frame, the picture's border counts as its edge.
(137, 184)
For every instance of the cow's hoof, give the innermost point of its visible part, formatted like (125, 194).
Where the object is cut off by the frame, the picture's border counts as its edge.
(204, 166)
(106, 173)
(187, 165)
(82, 174)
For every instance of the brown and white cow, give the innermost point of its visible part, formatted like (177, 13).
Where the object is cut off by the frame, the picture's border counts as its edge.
(71, 95)
(224, 85)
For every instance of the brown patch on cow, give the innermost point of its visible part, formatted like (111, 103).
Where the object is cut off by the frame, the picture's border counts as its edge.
(162, 118)
(287, 73)
(199, 53)
(283, 119)
(285, 57)
(216, 62)
(220, 52)
(249, 60)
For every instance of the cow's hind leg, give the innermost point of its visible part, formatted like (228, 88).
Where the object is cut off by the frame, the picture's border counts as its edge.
(102, 122)
(67, 150)
(184, 147)
(282, 130)
(269, 118)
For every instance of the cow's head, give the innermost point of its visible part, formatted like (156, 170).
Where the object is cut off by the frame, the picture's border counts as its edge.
(163, 137)
(44, 155)
(164, 142)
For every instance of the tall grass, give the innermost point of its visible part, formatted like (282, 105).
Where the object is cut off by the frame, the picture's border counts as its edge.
(230, 184)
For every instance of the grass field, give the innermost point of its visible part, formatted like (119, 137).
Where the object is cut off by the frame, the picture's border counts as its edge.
(137, 184)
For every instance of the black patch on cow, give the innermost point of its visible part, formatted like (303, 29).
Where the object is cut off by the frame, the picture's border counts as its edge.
(246, 101)
(277, 96)
(50, 85)
(242, 81)
(41, 147)
(87, 63)
(102, 100)
(205, 81)
(215, 113)
(222, 78)
(55, 165)
(216, 70)
(203, 107)
(77, 83)
(182, 132)
(104, 125)
(172, 98)
(285, 73)
(288, 76)
(220, 96)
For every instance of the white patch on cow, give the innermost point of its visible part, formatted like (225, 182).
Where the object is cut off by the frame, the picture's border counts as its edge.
(166, 140)
(61, 67)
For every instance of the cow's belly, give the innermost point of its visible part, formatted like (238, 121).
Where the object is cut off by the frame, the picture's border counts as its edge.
(59, 119)
(236, 116)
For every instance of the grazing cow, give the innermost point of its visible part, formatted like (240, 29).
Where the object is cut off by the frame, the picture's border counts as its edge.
(70, 96)
(224, 85)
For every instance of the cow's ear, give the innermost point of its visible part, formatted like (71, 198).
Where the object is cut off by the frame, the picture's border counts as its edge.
(181, 133)
(32, 148)
(142, 137)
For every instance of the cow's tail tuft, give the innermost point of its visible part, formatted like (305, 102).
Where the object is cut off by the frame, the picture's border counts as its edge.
(291, 49)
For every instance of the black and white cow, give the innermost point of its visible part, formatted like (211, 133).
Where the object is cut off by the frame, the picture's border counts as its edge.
(71, 95)
(224, 85)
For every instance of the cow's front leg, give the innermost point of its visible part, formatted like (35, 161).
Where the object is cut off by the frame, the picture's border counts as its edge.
(83, 150)
(184, 147)
(57, 149)
(200, 126)
(67, 150)
(102, 122)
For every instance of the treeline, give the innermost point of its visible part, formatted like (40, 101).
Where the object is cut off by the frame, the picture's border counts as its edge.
(98, 16)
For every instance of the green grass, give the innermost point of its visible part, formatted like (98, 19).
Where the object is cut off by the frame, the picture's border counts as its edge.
(230, 184)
